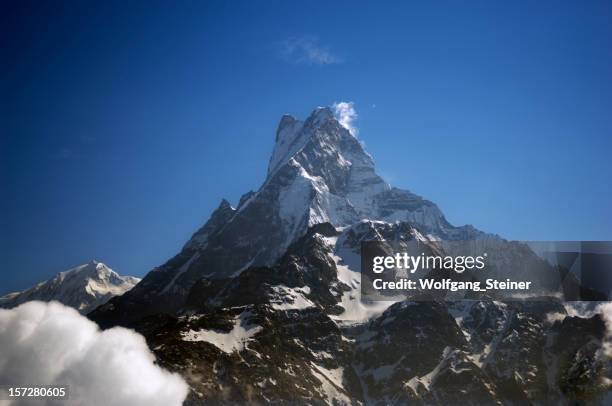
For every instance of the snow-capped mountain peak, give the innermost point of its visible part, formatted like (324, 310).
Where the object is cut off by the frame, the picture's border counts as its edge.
(318, 173)
(83, 287)
(292, 135)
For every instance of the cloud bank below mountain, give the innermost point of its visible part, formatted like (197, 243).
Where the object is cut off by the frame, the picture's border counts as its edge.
(52, 344)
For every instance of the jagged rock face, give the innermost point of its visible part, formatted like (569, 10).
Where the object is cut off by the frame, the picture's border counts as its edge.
(404, 342)
(289, 356)
(305, 275)
(84, 287)
(528, 348)
(263, 303)
(451, 380)
(575, 347)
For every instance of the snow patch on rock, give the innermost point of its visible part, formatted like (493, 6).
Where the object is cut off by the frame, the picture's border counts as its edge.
(234, 340)
(285, 298)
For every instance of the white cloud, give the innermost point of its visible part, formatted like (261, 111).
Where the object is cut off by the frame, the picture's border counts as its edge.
(346, 114)
(52, 344)
(307, 51)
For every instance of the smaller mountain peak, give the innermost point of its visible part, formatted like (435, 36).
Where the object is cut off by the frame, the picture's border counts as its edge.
(83, 287)
(286, 119)
(93, 268)
(89, 268)
(224, 205)
(288, 140)
(96, 267)
(224, 209)
(287, 125)
(245, 198)
(220, 216)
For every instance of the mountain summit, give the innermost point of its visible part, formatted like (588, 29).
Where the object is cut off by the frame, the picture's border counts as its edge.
(84, 287)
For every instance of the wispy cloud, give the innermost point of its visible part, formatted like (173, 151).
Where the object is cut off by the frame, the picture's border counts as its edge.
(346, 114)
(308, 51)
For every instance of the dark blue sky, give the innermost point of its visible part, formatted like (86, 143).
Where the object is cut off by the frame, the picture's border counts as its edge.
(123, 124)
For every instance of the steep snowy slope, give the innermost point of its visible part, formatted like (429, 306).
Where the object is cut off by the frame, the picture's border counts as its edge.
(84, 287)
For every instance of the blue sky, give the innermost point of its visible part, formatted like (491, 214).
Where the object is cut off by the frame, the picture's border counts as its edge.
(123, 125)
